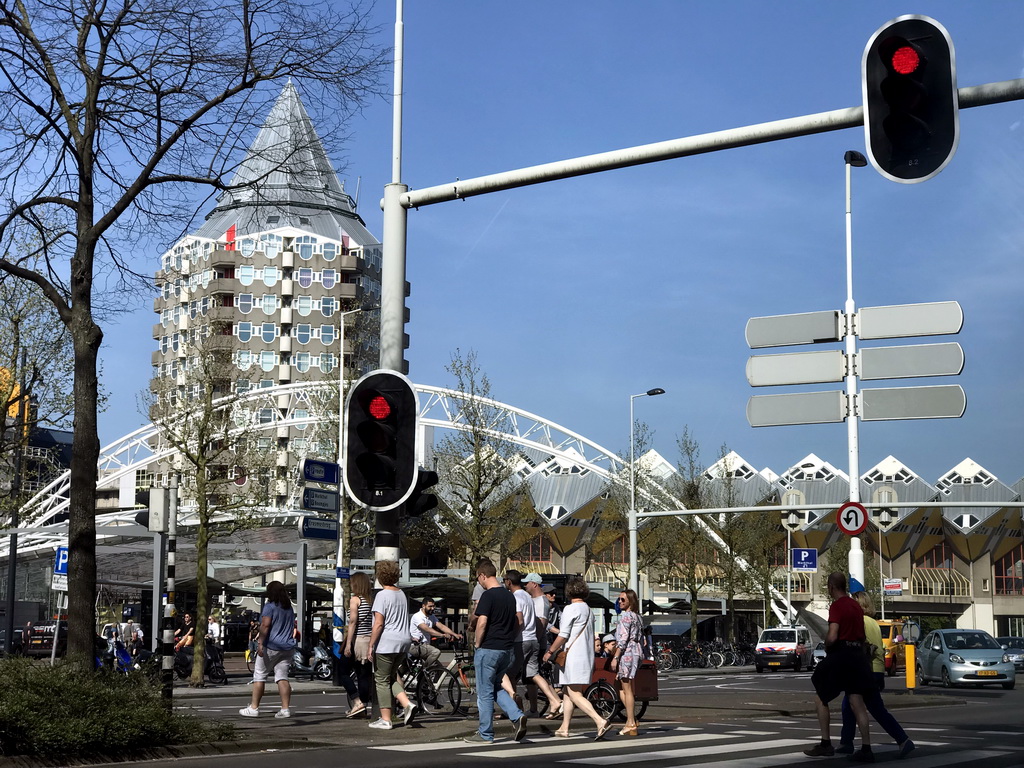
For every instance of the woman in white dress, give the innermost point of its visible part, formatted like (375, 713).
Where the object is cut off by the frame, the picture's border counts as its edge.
(576, 637)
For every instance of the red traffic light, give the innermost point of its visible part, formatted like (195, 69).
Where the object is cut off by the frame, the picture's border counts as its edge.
(905, 60)
(379, 408)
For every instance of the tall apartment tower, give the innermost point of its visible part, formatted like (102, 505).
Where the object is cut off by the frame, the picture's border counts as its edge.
(265, 280)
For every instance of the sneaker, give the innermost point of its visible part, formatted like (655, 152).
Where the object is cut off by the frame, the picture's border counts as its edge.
(409, 714)
(249, 712)
(863, 755)
(476, 738)
(381, 724)
(906, 748)
(820, 750)
(283, 713)
(520, 728)
(844, 749)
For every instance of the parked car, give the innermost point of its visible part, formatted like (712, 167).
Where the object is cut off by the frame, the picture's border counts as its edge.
(1014, 647)
(817, 655)
(40, 640)
(962, 656)
(783, 647)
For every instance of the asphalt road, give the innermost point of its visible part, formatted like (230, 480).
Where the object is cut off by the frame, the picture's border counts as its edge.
(725, 720)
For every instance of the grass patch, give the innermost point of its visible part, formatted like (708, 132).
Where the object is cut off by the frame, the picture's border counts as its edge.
(62, 711)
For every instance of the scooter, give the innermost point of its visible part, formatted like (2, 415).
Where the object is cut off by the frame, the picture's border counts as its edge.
(317, 665)
(214, 668)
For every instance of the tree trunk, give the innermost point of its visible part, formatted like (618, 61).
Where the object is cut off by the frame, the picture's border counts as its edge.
(86, 337)
(198, 679)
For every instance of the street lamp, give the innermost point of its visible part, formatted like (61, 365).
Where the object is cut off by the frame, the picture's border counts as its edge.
(634, 580)
(339, 591)
(852, 159)
(791, 521)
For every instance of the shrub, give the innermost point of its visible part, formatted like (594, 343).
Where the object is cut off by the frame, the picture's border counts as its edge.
(63, 710)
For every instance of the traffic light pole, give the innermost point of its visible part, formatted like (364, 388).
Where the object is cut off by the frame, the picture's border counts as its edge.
(856, 556)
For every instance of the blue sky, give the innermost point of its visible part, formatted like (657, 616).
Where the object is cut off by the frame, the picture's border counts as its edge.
(576, 294)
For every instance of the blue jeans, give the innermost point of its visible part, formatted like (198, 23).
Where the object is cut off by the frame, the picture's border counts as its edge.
(490, 667)
(876, 708)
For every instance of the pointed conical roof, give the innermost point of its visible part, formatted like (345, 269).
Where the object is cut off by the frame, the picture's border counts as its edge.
(286, 179)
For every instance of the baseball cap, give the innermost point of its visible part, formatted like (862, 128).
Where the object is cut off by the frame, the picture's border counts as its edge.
(547, 589)
(534, 577)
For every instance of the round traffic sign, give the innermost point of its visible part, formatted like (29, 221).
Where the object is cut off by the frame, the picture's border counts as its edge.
(852, 518)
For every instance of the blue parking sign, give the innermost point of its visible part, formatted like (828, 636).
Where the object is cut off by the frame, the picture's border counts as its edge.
(60, 562)
(805, 560)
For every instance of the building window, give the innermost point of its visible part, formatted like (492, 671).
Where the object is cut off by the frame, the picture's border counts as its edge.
(327, 306)
(537, 549)
(330, 249)
(329, 278)
(270, 276)
(615, 553)
(327, 362)
(243, 359)
(244, 332)
(301, 414)
(271, 244)
(304, 245)
(303, 333)
(1008, 572)
(246, 274)
(305, 277)
(248, 246)
(939, 557)
(270, 303)
(304, 305)
(268, 360)
(327, 334)
(268, 332)
(302, 361)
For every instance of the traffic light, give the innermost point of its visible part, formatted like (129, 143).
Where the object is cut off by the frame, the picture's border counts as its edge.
(911, 110)
(419, 502)
(380, 440)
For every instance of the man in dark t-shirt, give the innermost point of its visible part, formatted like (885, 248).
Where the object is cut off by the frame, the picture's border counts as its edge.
(845, 668)
(496, 628)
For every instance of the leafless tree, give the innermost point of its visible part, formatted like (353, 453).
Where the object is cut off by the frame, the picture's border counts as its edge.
(114, 115)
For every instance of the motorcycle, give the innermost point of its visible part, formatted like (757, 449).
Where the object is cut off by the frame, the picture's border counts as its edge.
(214, 665)
(316, 664)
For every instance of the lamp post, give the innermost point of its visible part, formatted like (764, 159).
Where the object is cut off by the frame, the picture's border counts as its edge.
(791, 521)
(884, 521)
(339, 590)
(852, 159)
(634, 579)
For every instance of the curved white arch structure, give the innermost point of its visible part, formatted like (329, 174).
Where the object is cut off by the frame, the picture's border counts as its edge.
(439, 407)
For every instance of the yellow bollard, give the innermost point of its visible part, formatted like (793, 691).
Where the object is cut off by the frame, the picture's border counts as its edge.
(911, 652)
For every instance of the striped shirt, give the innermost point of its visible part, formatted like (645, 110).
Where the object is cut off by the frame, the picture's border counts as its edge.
(364, 622)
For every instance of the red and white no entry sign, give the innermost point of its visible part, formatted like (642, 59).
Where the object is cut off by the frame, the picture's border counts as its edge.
(852, 518)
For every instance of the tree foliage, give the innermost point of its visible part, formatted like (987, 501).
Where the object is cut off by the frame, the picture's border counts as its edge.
(114, 115)
(480, 486)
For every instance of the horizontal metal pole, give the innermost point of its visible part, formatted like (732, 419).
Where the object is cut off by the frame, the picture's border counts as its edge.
(865, 504)
(973, 96)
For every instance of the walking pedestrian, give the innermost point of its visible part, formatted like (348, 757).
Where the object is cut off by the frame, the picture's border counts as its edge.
(629, 652)
(845, 668)
(389, 642)
(496, 628)
(274, 647)
(576, 637)
(533, 585)
(356, 648)
(873, 699)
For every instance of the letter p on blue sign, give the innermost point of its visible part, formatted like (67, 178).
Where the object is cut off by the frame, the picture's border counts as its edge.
(805, 560)
(60, 563)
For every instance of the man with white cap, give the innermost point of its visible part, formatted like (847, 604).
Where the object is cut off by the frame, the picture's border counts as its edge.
(533, 585)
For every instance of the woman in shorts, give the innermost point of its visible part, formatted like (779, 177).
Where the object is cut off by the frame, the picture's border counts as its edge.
(274, 647)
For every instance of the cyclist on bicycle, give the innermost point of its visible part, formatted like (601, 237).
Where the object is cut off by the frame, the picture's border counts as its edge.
(423, 626)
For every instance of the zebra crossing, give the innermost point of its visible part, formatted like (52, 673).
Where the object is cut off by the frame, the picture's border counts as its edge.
(767, 743)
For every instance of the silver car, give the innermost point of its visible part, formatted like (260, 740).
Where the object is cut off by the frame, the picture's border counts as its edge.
(962, 656)
(1014, 647)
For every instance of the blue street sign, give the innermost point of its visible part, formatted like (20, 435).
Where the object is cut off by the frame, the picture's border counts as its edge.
(318, 528)
(60, 563)
(316, 471)
(805, 560)
(342, 573)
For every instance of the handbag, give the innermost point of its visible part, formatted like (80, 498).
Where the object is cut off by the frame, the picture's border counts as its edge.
(561, 656)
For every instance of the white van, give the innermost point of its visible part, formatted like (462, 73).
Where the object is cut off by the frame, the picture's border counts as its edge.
(786, 647)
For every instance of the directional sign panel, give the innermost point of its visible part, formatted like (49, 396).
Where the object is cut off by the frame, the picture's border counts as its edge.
(911, 361)
(788, 330)
(318, 528)
(801, 408)
(60, 561)
(936, 318)
(939, 402)
(316, 500)
(316, 471)
(852, 518)
(796, 368)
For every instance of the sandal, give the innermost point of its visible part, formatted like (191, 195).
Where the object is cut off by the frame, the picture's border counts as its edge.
(603, 730)
(361, 710)
(628, 731)
(554, 715)
(563, 734)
